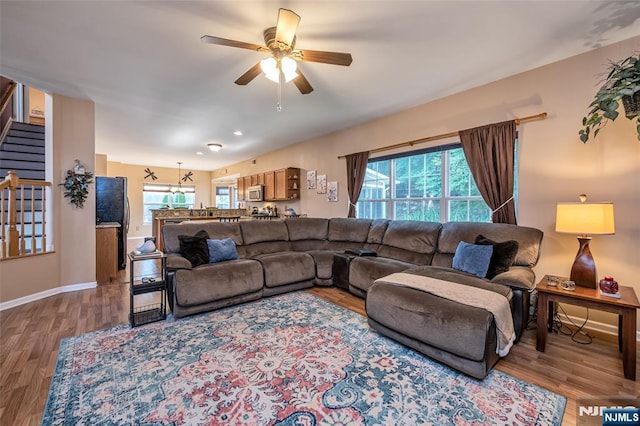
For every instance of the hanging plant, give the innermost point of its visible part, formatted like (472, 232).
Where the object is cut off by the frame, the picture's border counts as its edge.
(76, 185)
(621, 85)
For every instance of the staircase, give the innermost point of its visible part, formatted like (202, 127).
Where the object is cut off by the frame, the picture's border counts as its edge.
(23, 151)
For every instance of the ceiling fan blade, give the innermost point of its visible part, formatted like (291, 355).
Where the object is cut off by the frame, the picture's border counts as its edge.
(333, 58)
(302, 83)
(232, 43)
(287, 26)
(246, 78)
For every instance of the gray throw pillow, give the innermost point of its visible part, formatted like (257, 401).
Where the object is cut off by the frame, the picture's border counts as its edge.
(472, 258)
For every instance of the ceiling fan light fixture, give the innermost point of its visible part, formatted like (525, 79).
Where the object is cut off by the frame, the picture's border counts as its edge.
(269, 67)
(215, 147)
(289, 67)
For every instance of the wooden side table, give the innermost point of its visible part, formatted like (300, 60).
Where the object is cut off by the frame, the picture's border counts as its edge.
(625, 307)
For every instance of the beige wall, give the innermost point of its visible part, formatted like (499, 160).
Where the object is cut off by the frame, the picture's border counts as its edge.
(554, 164)
(135, 179)
(70, 136)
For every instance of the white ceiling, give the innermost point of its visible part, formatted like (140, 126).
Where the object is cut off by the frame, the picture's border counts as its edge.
(161, 94)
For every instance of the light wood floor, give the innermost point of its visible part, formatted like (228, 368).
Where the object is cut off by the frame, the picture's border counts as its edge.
(30, 335)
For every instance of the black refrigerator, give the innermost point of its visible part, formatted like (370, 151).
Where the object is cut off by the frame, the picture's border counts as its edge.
(112, 205)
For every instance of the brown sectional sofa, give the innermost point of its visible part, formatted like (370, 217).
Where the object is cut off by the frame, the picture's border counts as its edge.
(281, 256)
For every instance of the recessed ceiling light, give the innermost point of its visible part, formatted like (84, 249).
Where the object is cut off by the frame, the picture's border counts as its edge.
(237, 133)
(199, 153)
(215, 147)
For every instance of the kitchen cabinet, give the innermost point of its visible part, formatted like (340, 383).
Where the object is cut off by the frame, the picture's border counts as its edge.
(240, 184)
(247, 184)
(287, 184)
(279, 185)
(269, 185)
(280, 191)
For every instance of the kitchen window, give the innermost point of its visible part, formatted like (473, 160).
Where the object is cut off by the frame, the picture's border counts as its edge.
(157, 196)
(433, 184)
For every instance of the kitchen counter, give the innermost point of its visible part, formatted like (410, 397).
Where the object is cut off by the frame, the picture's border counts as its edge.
(108, 225)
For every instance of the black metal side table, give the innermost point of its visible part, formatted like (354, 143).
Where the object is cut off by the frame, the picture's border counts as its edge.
(154, 281)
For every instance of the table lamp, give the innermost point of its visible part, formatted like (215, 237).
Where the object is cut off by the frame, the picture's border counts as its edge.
(585, 218)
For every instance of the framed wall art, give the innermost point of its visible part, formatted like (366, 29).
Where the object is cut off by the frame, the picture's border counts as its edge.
(311, 179)
(332, 191)
(321, 184)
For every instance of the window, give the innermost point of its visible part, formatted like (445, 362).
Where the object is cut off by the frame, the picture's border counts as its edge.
(223, 197)
(166, 196)
(433, 185)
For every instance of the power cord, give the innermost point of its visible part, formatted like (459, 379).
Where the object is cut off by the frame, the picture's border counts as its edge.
(564, 329)
(560, 328)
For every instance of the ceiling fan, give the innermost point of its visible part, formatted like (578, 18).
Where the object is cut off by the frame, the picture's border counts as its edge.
(280, 44)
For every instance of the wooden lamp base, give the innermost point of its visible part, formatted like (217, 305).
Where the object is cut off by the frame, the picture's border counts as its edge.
(583, 271)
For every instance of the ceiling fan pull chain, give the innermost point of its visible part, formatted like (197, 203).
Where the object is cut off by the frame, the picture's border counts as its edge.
(280, 77)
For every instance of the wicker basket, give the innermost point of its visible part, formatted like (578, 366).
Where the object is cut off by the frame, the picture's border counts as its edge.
(631, 105)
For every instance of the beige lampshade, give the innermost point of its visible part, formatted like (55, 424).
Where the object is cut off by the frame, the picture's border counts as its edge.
(585, 218)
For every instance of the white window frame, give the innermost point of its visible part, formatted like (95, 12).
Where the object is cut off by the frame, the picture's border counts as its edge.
(167, 189)
(445, 200)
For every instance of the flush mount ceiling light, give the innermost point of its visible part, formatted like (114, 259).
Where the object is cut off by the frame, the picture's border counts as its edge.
(237, 133)
(215, 147)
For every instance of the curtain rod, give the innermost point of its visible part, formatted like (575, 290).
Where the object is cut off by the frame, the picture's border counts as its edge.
(540, 116)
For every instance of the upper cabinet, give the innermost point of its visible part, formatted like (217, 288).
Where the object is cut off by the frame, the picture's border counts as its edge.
(269, 185)
(279, 185)
(240, 182)
(287, 184)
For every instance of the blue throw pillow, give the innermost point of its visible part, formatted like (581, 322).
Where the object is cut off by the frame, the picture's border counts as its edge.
(473, 258)
(224, 249)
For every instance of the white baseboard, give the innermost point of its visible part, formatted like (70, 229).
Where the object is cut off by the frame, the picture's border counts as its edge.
(51, 292)
(600, 326)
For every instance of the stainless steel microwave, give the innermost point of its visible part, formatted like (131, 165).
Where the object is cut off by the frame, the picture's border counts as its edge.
(256, 193)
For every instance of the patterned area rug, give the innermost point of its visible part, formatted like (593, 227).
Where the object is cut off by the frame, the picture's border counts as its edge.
(293, 359)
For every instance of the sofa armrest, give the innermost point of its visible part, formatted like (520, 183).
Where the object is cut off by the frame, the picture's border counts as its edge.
(520, 277)
(175, 262)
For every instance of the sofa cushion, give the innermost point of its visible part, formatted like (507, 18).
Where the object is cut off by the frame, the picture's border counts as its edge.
(504, 253)
(376, 231)
(324, 262)
(349, 229)
(286, 268)
(363, 271)
(194, 248)
(221, 250)
(473, 258)
(441, 323)
(412, 235)
(307, 228)
(217, 281)
(259, 231)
